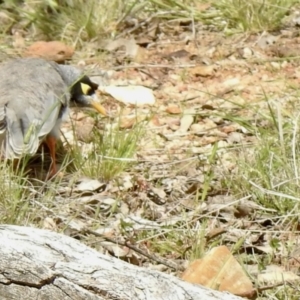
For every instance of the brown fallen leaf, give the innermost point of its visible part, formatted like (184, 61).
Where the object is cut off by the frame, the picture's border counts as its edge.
(203, 71)
(277, 275)
(155, 120)
(215, 232)
(181, 55)
(127, 122)
(285, 50)
(203, 127)
(173, 109)
(132, 49)
(229, 128)
(54, 50)
(228, 86)
(88, 185)
(219, 270)
(144, 41)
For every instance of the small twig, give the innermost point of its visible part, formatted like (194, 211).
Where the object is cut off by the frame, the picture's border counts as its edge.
(137, 66)
(273, 193)
(159, 260)
(252, 294)
(255, 60)
(139, 25)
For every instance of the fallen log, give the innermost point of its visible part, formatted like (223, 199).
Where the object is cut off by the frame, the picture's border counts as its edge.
(40, 264)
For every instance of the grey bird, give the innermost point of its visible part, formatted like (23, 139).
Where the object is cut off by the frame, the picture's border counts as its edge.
(34, 97)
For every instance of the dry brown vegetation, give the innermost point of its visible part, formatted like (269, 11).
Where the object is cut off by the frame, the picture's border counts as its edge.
(213, 162)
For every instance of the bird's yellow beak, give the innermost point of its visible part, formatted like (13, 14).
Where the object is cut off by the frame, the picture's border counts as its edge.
(86, 89)
(99, 108)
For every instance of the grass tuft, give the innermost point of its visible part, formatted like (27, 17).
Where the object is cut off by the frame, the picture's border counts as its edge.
(13, 195)
(253, 15)
(112, 152)
(269, 169)
(75, 20)
(78, 21)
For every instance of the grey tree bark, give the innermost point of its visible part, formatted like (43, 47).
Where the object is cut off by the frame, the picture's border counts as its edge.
(40, 264)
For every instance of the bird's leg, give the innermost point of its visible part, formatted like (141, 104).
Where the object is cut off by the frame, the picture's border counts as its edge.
(51, 142)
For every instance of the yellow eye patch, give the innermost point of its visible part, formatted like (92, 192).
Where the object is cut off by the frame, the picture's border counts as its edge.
(86, 89)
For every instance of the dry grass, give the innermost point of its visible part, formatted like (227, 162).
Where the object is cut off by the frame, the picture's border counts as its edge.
(112, 152)
(79, 21)
(267, 172)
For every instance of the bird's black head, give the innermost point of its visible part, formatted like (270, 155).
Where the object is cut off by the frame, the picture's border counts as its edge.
(83, 93)
(82, 89)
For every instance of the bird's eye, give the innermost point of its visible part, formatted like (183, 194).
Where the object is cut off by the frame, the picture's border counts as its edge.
(86, 89)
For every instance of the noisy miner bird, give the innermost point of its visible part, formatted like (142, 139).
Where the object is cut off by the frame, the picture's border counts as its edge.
(34, 98)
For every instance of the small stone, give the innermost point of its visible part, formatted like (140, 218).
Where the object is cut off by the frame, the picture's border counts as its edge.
(247, 53)
(275, 65)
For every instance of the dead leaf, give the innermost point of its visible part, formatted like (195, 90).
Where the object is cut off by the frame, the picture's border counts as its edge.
(203, 71)
(54, 50)
(231, 83)
(181, 55)
(242, 211)
(203, 127)
(127, 122)
(126, 182)
(49, 224)
(144, 41)
(132, 49)
(76, 225)
(230, 128)
(215, 232)
(157, 194)
(116, 250)
(276, 275)
(285, 51)
(173, 109)
(219, 270)
(235, 138)
(134, 94)
(228, 86)
(89, 185)
(186, 121)
(155, 121)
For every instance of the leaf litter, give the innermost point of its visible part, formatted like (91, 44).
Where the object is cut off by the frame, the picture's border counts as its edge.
(171, 205)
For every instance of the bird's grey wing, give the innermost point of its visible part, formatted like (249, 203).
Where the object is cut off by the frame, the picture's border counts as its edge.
(2, 119)
(32, 92)
(25, 132)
